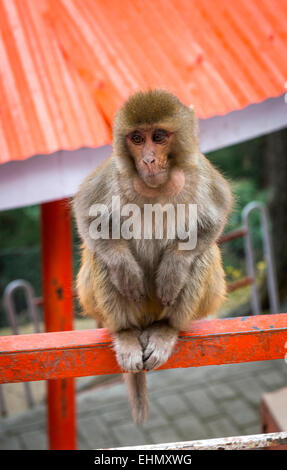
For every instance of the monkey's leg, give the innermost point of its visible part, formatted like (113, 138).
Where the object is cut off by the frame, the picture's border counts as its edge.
(101, 299)
(129, 350)
(157, 341)
(203, 293)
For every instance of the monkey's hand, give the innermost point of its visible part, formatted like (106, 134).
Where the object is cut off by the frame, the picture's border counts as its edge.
(171, 278)
(157, 342)
(127, 277)
(128, 350)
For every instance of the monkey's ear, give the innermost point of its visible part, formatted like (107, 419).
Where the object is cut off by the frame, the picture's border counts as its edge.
(195, 125)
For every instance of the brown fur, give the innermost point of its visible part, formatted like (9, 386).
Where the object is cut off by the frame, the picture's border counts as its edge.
(146, 291)
(137, 393)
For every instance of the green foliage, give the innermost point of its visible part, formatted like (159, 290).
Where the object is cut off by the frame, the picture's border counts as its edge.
(20, 250)
(244, 192)
(19, 228)
(242, 166)
(240, 161)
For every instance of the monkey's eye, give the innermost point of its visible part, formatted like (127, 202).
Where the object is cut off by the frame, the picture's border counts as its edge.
(137, 138)
(160, 136)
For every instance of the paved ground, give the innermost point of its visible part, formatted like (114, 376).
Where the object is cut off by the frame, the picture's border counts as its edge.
(186, 404)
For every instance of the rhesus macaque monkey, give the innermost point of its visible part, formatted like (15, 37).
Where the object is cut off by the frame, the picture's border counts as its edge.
(146, 290)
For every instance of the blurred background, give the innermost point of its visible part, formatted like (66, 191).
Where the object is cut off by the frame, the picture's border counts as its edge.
(66, 66)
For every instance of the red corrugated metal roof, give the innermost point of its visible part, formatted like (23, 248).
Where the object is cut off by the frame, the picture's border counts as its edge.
(67, 65)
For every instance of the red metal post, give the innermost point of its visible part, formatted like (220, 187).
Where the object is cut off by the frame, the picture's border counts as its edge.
(58, 313)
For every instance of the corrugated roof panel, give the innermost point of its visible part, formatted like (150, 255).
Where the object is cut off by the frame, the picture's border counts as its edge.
(45, 106)
(220, 56)
(67, 65)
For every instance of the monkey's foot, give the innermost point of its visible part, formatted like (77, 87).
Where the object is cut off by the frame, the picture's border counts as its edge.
(128, 350)
(157, 342)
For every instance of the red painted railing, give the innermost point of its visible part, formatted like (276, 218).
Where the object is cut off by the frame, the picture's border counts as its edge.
(46, 356)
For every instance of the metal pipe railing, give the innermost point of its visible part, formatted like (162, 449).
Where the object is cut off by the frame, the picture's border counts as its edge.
(253, 441)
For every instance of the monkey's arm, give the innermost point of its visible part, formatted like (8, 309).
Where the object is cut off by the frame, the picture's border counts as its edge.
(172, 274)
(123, 270)
(175, 266)
(215, 202)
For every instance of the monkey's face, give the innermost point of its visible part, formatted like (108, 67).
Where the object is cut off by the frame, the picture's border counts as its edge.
(150, 148)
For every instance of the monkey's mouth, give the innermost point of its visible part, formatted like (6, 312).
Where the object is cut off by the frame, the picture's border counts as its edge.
(155, 175)
(155, 179)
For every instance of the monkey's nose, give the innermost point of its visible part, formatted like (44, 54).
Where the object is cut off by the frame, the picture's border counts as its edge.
(149, 160)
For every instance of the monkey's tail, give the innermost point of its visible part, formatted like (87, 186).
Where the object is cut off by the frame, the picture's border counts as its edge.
(138, 395)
